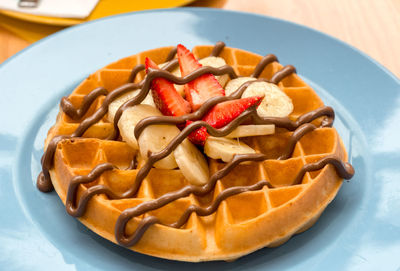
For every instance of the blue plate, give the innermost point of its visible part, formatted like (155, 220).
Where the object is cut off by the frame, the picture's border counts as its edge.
(360, 230)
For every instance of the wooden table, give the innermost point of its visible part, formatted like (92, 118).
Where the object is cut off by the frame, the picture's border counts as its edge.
(373, 26)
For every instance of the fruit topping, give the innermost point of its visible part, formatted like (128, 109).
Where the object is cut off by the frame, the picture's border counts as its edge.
(192, 163)
(165, 96)
(225, 148)
(202, 88)
(222, 114)
(275, 103)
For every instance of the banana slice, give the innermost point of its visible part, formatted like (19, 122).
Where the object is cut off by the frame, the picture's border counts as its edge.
(275, 103)
(154, 138)
(192, 163)
(216, 62)
(113, 107)
(252, 130)
(130, 117)
(234, 84)
(225, 148)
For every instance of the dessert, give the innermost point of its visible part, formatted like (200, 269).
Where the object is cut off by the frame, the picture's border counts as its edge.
(187, 162)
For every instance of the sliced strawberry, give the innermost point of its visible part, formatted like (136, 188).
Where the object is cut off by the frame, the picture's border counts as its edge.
(202, 88)
(198, 136)
(187, 62)
(222, 114)
(165, 96)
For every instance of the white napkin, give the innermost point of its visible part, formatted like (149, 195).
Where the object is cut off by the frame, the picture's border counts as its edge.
(78, 9)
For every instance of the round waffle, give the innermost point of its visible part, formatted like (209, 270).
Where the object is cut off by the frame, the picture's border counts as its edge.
(295, 191)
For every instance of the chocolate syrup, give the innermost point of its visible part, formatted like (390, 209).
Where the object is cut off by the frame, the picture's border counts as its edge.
(138, 68)
(295, 137)
(344, 170)
(76, 114)
(279, 75)
(265, 61)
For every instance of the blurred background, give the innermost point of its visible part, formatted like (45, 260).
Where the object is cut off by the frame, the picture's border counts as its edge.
(372, 26)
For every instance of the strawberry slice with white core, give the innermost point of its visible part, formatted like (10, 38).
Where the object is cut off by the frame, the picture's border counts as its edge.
(165, 96)
(222, 114)
(202, 88)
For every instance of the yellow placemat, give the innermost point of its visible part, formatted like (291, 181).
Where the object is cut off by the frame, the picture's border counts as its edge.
(32, 27)
(28, 31)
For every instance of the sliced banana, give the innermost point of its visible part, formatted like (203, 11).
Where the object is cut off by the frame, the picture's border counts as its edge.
(192, 163)
(113, 107)
(130, 117)
(234, 84)
(154, 138)
(275, 103)
(225, 148)
(252, 130)
(216, 62)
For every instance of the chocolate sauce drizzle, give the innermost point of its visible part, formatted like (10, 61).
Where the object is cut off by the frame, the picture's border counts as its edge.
(344, 170)
(218, 47)
(138, 68)
(95, 173)
(76, 114)
(298, 133)
(265, 61)
(279, 75)
(171, 54)
(43, 182)
(300, 127)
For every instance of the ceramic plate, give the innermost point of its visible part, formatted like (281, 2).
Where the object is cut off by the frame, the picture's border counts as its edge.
(360, 229)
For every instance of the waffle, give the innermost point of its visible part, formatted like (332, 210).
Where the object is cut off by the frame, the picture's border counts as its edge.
(242, 223)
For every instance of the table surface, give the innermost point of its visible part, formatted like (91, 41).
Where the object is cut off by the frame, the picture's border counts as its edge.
(373, 26)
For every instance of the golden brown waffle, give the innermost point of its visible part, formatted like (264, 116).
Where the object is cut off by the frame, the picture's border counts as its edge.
(242, 223)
